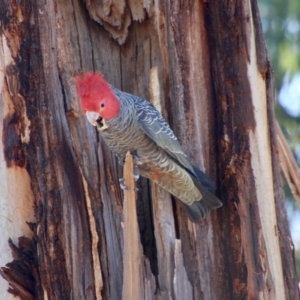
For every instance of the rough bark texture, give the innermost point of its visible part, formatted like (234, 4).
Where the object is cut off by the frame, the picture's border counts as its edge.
(215, 90)
(22, 273)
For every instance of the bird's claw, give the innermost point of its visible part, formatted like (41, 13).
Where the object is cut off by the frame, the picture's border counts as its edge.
(122, 184)
(121, 161)
(136, 160)
(124, 187)
(136, 173)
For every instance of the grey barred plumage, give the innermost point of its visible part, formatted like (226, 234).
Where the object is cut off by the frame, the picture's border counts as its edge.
(138, 127)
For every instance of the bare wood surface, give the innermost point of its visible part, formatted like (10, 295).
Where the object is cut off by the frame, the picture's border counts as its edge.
(182, 287)
(133, 270)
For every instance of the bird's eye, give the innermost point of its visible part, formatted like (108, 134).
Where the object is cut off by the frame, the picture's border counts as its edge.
(102, 104)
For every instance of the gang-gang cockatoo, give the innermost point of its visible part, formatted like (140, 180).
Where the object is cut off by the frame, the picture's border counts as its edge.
(129, 123)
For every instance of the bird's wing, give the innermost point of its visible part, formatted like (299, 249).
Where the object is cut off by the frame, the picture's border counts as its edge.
(157, 129)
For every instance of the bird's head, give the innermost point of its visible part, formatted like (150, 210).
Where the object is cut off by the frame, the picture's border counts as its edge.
(98, 101)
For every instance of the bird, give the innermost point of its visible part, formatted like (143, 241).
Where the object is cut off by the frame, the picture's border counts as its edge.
(129, 123)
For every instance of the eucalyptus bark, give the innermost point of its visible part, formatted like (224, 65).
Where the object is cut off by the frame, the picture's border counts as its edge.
(56, 173)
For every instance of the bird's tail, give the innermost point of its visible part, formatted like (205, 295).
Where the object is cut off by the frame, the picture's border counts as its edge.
(199, 209)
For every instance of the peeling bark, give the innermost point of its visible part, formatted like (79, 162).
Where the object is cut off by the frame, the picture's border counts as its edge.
(22, 273)
(208, 70)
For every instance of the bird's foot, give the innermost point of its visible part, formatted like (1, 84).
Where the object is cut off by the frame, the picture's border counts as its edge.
(124, 187)
(122, 184)
(121, 161)
(136, 172)
(136, 163)
(136, 160)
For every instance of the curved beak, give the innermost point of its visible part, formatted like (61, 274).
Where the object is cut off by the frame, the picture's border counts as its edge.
(92, 117)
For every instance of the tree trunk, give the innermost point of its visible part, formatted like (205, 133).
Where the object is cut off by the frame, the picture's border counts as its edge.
(215, 88)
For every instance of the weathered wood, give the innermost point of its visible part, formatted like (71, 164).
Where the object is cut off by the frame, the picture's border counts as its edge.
(214, 89)
(164, 226)
(16, 195)
(182, 287)
(133, 270)
(244, 158)
(95, 239)
(283, 231)
(22, 273)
